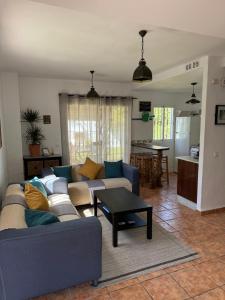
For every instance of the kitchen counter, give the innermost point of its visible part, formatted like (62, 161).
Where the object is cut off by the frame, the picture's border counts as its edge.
(188, 158)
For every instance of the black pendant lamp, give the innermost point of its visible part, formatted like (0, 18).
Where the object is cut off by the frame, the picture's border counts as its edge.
(142, 72)
(193, 99)
(92, 93)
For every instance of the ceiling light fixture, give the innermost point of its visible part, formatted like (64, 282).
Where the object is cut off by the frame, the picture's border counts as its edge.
(92, 93)
(142, 72)
(193, 99)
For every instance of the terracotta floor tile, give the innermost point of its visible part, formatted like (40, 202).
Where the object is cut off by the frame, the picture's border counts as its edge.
(179, 267)
(164, 288)
(215, 270)
(216, 294)
(86, 291)
(166, 215)
(151, 275)
(193, 281)
(134, 292)
(122, 284)
(167, 226)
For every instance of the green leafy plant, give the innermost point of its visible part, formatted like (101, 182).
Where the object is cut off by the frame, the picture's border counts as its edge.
(34, 135)
(30, 115)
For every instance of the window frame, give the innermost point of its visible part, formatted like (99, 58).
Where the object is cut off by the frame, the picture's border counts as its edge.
(162, 133)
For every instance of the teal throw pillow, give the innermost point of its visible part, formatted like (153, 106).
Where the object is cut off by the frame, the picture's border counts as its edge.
(35, 217)
(113, 169)
(36, 182)
(63, 171)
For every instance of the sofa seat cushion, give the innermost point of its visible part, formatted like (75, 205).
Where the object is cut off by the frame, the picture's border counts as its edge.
(117, 182)
(80, 193)
(60, 205)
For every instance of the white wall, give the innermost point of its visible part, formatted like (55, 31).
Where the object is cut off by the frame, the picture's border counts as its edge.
(11, 109)
(211, 187)
(3, 158)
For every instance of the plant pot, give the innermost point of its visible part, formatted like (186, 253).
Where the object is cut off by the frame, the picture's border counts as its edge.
(35, 149)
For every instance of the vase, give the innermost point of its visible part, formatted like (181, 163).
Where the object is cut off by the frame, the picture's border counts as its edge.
(35, 149)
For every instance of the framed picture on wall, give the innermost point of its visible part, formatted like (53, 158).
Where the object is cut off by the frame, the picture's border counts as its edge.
(0, 135)
(220, 115)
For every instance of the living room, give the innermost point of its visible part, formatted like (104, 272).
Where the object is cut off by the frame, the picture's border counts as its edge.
(47, 52)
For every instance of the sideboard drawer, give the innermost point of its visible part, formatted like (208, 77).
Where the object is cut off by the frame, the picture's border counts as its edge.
(34, 167)
(51, 163)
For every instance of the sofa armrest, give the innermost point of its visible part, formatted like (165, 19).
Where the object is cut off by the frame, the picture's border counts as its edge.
(132, 174)
(39, 260)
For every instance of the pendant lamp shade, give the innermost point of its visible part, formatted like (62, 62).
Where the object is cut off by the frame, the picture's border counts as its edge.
(193, 99)
(92, 93)
(142, 72)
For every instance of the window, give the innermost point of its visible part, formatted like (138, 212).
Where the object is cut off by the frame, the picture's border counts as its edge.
(163, 123)
(99, 129)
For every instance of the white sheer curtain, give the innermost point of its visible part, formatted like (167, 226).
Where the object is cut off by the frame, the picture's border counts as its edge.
(97, 128)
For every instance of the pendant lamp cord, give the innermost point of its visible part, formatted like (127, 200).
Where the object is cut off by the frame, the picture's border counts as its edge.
(142, 48)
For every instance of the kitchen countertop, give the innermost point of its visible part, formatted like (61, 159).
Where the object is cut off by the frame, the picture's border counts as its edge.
(188, 158)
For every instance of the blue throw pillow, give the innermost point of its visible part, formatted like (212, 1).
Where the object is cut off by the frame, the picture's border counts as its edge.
(64, 171)
(113, 169)
(36, 182)
(36, 217)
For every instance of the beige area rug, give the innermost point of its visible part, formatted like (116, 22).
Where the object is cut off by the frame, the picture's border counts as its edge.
(135, 255)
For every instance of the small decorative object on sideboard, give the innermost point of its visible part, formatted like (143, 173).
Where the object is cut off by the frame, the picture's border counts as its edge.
(45, 151)
(220, 115)
(33, 134)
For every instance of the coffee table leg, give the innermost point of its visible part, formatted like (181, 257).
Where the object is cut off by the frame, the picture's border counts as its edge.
(114, 231)
(149, 224)
(95, 206)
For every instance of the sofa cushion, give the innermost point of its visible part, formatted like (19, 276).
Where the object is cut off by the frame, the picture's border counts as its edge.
(63, 171)
(34, 198)
(37, 217)
(113, 169)
(55, 185)
(36, 182)
(90, 169)
(117, 182)
(60, 205)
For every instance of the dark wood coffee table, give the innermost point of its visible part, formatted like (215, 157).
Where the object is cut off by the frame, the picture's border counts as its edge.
(119, 206)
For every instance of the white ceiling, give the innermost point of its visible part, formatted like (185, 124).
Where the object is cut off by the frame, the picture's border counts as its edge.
(69, 39)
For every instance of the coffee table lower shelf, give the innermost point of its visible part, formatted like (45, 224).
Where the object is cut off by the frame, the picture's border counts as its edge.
(131, 220)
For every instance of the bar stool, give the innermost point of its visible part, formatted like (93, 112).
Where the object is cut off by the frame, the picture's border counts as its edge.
(165, 168)
(143, 164)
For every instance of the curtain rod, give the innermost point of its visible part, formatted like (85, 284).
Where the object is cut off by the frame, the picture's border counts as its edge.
(84, 96)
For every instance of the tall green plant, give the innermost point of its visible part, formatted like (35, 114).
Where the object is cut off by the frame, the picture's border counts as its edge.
(34, 134)
(30, 115)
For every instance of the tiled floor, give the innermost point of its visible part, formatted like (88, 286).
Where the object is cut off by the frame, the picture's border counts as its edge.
(202, 279)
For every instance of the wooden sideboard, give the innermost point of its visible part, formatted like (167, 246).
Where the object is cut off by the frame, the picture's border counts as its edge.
(33, 165)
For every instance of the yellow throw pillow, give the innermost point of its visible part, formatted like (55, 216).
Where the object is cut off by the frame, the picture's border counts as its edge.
(90, 169)
(34, 198)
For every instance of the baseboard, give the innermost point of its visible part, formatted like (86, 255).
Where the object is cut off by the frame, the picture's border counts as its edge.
(212, 211)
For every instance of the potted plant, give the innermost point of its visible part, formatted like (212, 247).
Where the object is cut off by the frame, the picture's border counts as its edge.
(33, 134)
